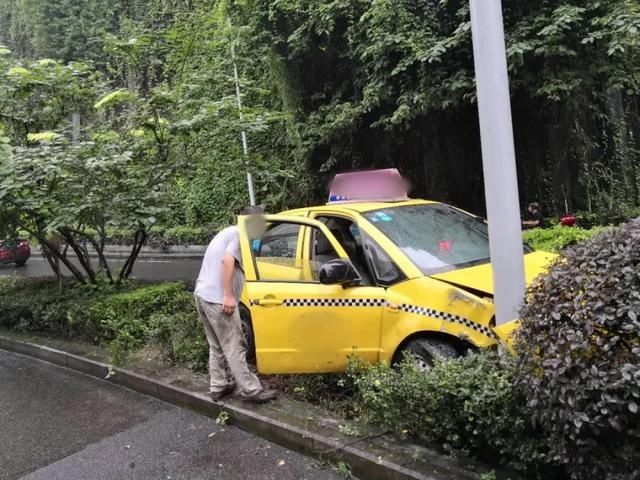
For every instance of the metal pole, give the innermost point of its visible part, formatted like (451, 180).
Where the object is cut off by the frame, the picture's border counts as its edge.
(75, 127)
(499, 159)
(245, 145)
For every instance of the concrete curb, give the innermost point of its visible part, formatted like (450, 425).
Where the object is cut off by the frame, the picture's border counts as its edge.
(363, 464)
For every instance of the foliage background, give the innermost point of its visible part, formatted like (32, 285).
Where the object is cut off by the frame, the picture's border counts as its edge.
(346, 84)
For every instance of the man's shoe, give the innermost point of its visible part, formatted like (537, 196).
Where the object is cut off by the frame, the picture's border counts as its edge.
(262, 396)
(215, 396)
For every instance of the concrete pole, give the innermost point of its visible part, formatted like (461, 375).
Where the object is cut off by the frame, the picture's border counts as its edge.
(498, 157)
(245, 145)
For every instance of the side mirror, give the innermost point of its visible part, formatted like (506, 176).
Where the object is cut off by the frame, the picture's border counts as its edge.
(338, 272)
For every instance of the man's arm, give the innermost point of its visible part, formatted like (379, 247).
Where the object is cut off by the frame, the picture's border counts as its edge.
(228, 300)
(531, 223)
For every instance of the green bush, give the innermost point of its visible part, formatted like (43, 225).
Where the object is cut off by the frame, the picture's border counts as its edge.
(41, 305)
(579, 356)
(466, 405)
(186, 235)
(125, 318)
(615, 216)
(181, 338)
(558, 237)
(332, 391)
(164, 237)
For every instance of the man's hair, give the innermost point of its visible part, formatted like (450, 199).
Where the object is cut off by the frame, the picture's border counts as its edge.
(252, 210)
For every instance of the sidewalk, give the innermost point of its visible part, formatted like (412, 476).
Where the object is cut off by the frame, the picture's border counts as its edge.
(296, 425)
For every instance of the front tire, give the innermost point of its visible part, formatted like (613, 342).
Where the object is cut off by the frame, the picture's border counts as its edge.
(426, 351)
(247, 329)
(21, 263)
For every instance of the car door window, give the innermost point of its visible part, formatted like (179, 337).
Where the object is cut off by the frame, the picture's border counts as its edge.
(348, 236)
(385, 270)
(321, 252)
(275, 253)
(279, 243)
(279, 256)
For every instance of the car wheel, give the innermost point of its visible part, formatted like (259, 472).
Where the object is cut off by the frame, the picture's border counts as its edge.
(247, 329)
(21, 263)
(425, 351)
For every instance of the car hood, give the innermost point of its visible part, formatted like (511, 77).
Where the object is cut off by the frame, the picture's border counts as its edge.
(480, 277)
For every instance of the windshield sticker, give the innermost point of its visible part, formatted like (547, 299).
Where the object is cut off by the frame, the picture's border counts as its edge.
(381, 217)
(445, 245)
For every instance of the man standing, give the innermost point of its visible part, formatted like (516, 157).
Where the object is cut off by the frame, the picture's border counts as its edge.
(533, 217)
(217, 293)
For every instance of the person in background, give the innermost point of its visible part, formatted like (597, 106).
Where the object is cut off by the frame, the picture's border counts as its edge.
(218, 289)
(533, 217)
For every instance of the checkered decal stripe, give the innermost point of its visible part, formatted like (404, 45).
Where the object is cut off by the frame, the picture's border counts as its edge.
(448, 317)
(334, 302)
(380, 302)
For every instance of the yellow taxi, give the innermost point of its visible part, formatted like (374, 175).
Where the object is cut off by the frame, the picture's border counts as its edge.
(371, 278)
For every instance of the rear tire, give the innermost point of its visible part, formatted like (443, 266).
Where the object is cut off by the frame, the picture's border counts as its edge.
(426, 351)
(21, 263)
(247, 329)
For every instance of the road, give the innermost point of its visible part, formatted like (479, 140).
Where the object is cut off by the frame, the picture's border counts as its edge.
(57, 424)
(145, 268)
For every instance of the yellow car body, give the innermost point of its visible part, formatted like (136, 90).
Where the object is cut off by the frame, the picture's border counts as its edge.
(300, 325)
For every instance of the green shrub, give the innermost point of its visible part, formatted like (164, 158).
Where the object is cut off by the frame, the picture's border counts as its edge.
(181, 338)
(332, 391)
(466, 405)
(163, 237)
(558, 237)
(125, 318)
(615, 216)
(40, 304)
(187, 235)
(579, 356)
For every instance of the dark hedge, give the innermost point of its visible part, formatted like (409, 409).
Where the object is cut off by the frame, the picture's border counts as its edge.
(579, 356)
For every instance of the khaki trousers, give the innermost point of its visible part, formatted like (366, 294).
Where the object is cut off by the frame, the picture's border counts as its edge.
(227, 347)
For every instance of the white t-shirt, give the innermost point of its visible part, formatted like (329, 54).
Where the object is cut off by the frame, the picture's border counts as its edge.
(209, 284)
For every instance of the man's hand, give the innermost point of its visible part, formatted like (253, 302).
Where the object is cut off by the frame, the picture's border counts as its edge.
(228, 304)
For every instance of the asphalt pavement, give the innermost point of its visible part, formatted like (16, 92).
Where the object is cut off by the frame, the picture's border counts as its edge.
(156, 269)
(57, 424)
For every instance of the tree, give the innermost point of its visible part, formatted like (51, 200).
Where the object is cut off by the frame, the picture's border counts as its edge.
(349, 84)
(67, 194)
(74, 193)
(391, 83)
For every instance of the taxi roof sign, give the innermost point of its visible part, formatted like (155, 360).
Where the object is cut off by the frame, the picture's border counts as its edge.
(385, 185)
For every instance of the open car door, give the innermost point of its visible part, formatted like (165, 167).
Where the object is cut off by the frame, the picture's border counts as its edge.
(299, 324)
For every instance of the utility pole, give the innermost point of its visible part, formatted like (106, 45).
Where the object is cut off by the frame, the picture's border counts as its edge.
(245, 146)
(75, 127)
(498, 157)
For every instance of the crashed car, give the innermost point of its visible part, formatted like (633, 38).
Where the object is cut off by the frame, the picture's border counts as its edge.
(375, 278)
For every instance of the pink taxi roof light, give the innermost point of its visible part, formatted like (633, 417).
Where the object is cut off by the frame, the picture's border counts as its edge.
(369, 186)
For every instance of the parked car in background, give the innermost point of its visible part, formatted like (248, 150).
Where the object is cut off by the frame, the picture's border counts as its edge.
(15, 251)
